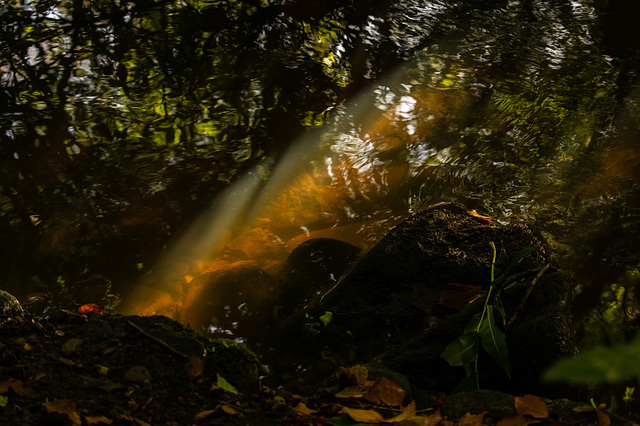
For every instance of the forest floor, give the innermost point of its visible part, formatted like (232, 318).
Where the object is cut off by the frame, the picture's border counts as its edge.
(92, 369)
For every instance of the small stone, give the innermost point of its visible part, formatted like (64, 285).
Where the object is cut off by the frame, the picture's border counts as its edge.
(9, 305)
(138, 374)
(71, 346)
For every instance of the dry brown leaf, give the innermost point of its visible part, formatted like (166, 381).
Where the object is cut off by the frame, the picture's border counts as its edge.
(194, 367)
(303, 410)
(472, 419)
(63, 408)
(98, 420)
(364, 416)
(12, 383)
(353, 392)
(203, 415)
(384, 391)
(353, 376)
(433, 419)
(228, 409)
(583, 409)
(603, 418)
(408, 412)
(531, 405)
(514, 421)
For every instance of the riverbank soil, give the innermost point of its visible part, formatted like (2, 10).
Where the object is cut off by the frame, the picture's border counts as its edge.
(93, 369)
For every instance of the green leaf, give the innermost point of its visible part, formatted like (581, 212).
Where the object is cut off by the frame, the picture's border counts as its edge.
(467, 384)
(598, 365)
(473, 323)
(517, 259)
(222, 383)
(494, 342)
(3, 401)
(462, 351)
(326, 318)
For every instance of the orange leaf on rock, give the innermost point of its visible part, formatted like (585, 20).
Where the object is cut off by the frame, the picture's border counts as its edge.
(386, 392)
(303, 410)
(472, 419)
(90, 308)
(474, 213)
(514, 421)
(64, 409)
(531, 405)
(364, 416)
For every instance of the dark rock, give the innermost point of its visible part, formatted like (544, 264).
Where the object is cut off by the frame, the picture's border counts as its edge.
(312, 267)
(405, 273)
(234, 302)
(497, 404)
(9, 306)
(540, 334)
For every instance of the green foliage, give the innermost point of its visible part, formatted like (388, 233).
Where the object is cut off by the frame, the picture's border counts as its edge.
(483, 331)
(599, 365)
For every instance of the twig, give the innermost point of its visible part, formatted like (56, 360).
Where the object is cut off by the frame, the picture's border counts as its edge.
(527, 294)
(158, 341)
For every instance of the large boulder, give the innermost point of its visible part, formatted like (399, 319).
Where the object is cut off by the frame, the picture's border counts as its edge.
(235, 302)
(405, 273)
(312, 267)
(395, 301)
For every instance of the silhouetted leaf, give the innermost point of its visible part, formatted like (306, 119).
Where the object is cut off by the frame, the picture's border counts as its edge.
(494, 341)
(463, 350)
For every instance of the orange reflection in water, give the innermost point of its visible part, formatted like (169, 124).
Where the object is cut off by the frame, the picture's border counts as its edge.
(345, 194)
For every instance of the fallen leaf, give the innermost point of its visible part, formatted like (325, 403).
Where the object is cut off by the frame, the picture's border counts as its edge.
(531, 405)
(98, 420)
(603, 418)
(90, 308)
(583, 409)
(353, 376)
(386, 392)
(364, 416)
(228, 409)
(69, 362)
(433, 419)
(474, 213)
(203, 415)
(140, 422)
(408, 412)
(353, 392)
(222, 383)
(514, 421)
(303, 410)
(64, 409)
(472, 419)
(194, 367)
(12, 383)
(26, 347)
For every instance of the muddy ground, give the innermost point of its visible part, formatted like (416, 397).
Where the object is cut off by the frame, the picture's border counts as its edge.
(93, 369)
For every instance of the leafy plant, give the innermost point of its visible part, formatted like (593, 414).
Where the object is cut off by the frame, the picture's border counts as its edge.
(482, 329)
(601, 364)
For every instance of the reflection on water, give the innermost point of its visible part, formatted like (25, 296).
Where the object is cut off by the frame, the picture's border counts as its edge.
(523, 138)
